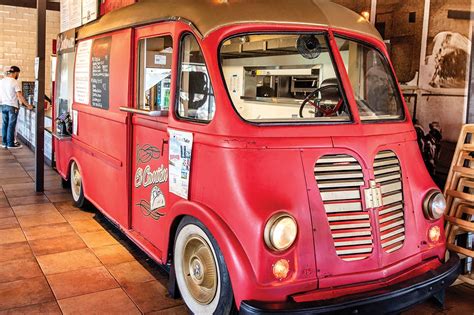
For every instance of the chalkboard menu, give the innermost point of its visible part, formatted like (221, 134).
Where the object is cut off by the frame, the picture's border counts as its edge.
(100, 72)
(27, 88)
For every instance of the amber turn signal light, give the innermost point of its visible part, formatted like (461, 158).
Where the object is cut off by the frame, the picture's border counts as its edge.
(434, 234)
(281, 269)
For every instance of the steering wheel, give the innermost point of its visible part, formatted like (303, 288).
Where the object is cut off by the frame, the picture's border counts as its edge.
(324, 109)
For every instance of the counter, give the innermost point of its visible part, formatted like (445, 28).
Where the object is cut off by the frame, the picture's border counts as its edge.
(26, 132)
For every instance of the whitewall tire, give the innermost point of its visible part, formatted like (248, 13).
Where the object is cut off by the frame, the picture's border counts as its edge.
(76, 185)
(200, 270)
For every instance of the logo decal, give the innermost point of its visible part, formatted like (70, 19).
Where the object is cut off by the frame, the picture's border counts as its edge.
(157, 201)
(145, 177)
(147, 153)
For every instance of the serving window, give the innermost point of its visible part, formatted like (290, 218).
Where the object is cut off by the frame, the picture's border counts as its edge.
(154, 73)
(283, 78)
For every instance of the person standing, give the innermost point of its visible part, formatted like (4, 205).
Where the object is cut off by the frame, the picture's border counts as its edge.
(10, 94)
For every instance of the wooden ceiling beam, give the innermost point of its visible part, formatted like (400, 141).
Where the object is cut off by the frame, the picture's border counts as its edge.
(52, 6)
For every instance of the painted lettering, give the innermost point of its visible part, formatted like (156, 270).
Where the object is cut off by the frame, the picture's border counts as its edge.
(146, 177)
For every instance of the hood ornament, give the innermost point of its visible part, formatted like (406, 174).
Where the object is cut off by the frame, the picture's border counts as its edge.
(373, 196)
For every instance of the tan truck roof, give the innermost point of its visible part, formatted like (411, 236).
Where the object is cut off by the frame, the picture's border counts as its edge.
(209, 15)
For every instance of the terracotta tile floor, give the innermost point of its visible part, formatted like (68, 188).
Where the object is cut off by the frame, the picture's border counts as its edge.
(55, 258)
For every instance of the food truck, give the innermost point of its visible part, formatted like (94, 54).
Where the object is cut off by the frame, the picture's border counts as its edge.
(261, 150)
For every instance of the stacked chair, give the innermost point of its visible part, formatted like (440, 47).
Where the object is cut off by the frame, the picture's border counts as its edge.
(459, 193)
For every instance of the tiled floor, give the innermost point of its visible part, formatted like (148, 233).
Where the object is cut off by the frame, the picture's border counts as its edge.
(55, 258)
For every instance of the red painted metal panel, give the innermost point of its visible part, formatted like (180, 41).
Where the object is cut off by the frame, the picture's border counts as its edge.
(150, 196)
(149, 163)
(100, 146)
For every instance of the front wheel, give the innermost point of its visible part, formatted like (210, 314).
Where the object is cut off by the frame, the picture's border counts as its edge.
(76, 186)
(201, 273)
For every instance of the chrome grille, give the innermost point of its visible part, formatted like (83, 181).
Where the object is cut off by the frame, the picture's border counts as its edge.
(388, 175)
(339, 179)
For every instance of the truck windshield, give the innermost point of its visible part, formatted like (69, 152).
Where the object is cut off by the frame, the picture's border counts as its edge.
(374, 86)
(283, 78)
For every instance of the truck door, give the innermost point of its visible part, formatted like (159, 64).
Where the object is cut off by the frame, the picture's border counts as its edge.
(149, 163)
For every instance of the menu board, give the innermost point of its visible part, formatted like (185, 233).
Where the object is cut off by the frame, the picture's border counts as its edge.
(70, 14)
(90, 11)
(100, 76)
(75, 13)
(82, 72)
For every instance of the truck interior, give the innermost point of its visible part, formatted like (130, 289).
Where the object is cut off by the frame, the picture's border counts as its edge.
(293, 78)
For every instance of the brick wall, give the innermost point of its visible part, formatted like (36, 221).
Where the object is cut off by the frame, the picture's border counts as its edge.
(357, 6)
(404, 36)
(18, 41)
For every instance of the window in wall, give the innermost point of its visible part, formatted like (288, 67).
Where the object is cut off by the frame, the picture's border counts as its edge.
(154, 73)
(196, 96)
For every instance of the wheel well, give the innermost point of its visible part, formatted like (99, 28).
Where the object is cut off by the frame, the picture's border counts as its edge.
(172, 235)
(173, 289)
(68, 170)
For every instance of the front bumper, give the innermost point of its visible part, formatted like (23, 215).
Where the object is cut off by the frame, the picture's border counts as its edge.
(390, 299)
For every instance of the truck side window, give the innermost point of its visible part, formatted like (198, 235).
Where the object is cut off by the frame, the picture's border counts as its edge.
(196, 96)
(154, 73)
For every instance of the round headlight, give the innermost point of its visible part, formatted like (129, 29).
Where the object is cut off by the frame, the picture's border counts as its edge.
(434, 205)
(280, 232)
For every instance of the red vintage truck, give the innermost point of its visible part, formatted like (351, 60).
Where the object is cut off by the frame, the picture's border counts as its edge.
(262, 150)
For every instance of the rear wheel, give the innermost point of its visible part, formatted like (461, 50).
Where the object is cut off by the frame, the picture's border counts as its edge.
(201, 273)
(76, 186)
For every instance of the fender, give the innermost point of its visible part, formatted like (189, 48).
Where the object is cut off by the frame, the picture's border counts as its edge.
(68, 171)
(67, 174)
(64, 176)
(241, 273)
